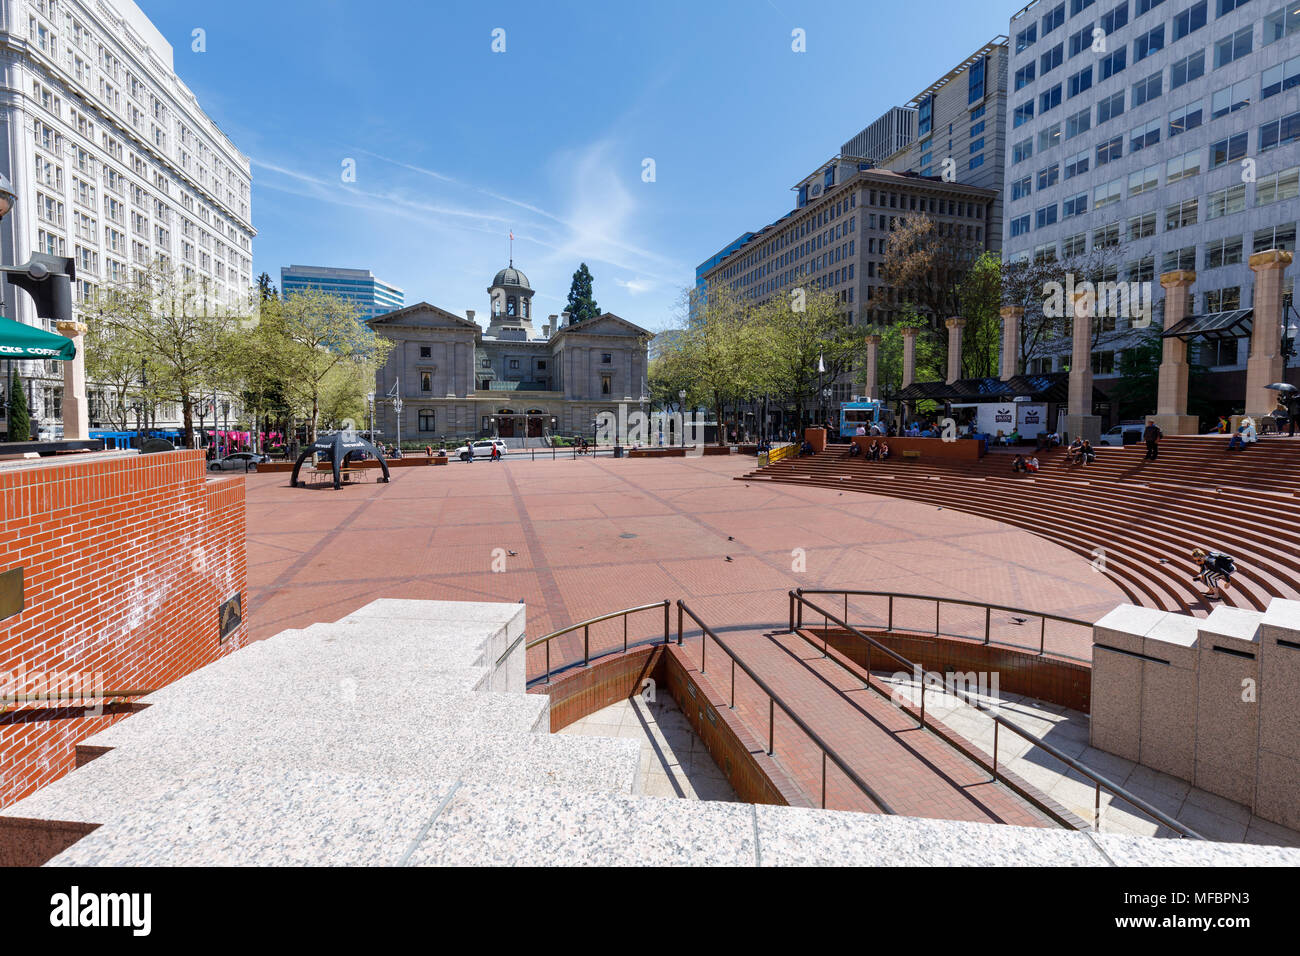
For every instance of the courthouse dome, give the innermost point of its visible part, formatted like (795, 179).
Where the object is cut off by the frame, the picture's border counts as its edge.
(510, 276)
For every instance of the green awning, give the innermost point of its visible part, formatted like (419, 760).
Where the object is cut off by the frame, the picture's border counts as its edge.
(19, 341)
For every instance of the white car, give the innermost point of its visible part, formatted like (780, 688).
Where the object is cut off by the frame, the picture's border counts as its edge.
(1129, 434)
(483, 448)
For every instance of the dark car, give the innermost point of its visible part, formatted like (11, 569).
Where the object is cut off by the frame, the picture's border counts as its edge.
(239, 461)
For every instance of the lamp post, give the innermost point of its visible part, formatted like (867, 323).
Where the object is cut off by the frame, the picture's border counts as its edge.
(370, 406)
(201, 409)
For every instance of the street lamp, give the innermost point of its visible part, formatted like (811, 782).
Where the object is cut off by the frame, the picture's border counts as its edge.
(201, 409)
(370, 404)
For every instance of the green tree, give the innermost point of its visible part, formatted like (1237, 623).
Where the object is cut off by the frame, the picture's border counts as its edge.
(266, 288)
(20, 423)
(930, 355)
(581, 304)
(805, 343)
(980, 294)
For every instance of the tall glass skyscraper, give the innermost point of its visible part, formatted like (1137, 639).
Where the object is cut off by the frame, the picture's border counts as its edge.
(374, 296)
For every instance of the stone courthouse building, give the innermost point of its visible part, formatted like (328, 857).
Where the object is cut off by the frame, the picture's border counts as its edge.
(456, 379)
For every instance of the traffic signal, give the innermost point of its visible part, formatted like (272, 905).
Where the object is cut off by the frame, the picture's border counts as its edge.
(48, 280)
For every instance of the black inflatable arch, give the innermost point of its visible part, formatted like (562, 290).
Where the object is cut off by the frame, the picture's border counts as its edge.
(338, 446)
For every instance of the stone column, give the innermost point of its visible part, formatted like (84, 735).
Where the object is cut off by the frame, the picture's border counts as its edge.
(1080, 422)
(909, 356)
(1266, 363)
(76, 415)
(1171, 401)
(1012, 315)
(956, 330)
(873, 366)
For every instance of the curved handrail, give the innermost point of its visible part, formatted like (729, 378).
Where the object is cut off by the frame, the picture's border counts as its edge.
(586, 632)
(775, 701)
(999, 721)
(988, 609)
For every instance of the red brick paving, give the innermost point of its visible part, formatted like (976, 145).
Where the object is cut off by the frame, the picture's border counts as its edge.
(592, 536)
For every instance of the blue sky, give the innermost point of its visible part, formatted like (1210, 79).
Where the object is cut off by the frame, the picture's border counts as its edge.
(456, 145)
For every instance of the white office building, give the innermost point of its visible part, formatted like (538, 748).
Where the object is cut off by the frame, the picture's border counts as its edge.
(113, 163)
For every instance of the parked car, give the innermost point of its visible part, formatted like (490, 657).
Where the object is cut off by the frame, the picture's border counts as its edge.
(1128, 434)
(482, 448)
(239, 461)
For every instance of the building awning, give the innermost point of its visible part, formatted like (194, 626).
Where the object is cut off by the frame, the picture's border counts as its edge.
(1236, 324)
(21, 341)
(1048, 387)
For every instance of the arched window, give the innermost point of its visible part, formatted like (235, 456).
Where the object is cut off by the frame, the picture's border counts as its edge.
(525, 302)
(510, 305)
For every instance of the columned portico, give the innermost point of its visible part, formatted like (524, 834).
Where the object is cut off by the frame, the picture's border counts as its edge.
(1012, 316)
(1080, 422)
(1171, 398)
(1266, 364)
(956, 330)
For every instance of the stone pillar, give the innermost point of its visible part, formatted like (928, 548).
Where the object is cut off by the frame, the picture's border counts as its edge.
(1266, 364)
(956, 329)
(1080, 422)
(1012, 316)
(873, 366)
(909, 356)
(1171, 402)
(76, 414)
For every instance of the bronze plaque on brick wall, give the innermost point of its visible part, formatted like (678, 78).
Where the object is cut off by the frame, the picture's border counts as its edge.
(11, 593)
(231, 614)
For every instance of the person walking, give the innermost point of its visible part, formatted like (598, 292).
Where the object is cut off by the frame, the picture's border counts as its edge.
(496, 452)
(1216, 571)
(1152, 435)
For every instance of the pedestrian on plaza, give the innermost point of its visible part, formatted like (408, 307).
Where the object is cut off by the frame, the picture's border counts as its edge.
(1152, 435)
(1216, 571)
(496, 452)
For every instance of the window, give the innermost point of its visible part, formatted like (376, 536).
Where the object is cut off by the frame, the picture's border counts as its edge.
(1053, 19)
(1049, 177)
(485, 363)
(426, 351)
(1049, 99)
(1183, 167)
(1073, 246)
(1144, 136)
(1277, 187)
(1046, 216)
(1279, 132)
(1026, 38)
(1110, 150)
(1107, 193)
(1020, 226)
(1223, 300)
(1275, 237)
(1142, 270)
(1225, 202)
(1188, 117)
(426, 381)
(1106, 237)
(1189, 68)
(1141, 227)
(977, 145)
(1078, 6)
(1025, 76)
(1148, 89)
(1234, 47)
(1113, 63)
(1180, 260)
(1227, 150)
(1281, 23)
(1023, 114)
(605, 385)
(1153, 41)
(1284, 76)
(1080, 82)
(1022, 150)
(1075, 206)
(1223, 252)
(1109, 107)
(925, 116)
(1110, 22)
(975, 80)
(426, 420)
(1080, 122)
(1051, 59)
(1103, 363)
(606, 358)
(1227, 6)
(1049, 137)
(1021, 188)
(1045, 253)
(1190, 20)
(1144, 180)
(1230, 99)
(1082, 40)
(1076, 165)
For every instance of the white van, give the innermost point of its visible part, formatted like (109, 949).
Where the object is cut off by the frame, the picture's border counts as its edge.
(1129, 434)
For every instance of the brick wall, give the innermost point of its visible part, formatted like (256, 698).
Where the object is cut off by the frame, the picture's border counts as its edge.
(126, 561)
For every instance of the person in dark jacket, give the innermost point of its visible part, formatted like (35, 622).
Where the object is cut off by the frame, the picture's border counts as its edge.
(1152, 435)
(1216, 571)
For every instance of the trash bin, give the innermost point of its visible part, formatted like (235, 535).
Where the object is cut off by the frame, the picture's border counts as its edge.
(618, 451)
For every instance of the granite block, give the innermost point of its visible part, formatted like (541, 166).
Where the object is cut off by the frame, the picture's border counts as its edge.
(1116, 702)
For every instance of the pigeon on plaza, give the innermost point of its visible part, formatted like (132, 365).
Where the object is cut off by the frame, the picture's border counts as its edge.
(728, 557)
(1019, 620)
(512, 553)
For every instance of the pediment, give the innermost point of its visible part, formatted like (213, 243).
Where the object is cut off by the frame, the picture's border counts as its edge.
(422, 315)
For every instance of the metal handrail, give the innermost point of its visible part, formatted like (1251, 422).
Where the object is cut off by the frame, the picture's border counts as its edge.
(586, 632)
(796, 596)
(773, 701)
(988, 612)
